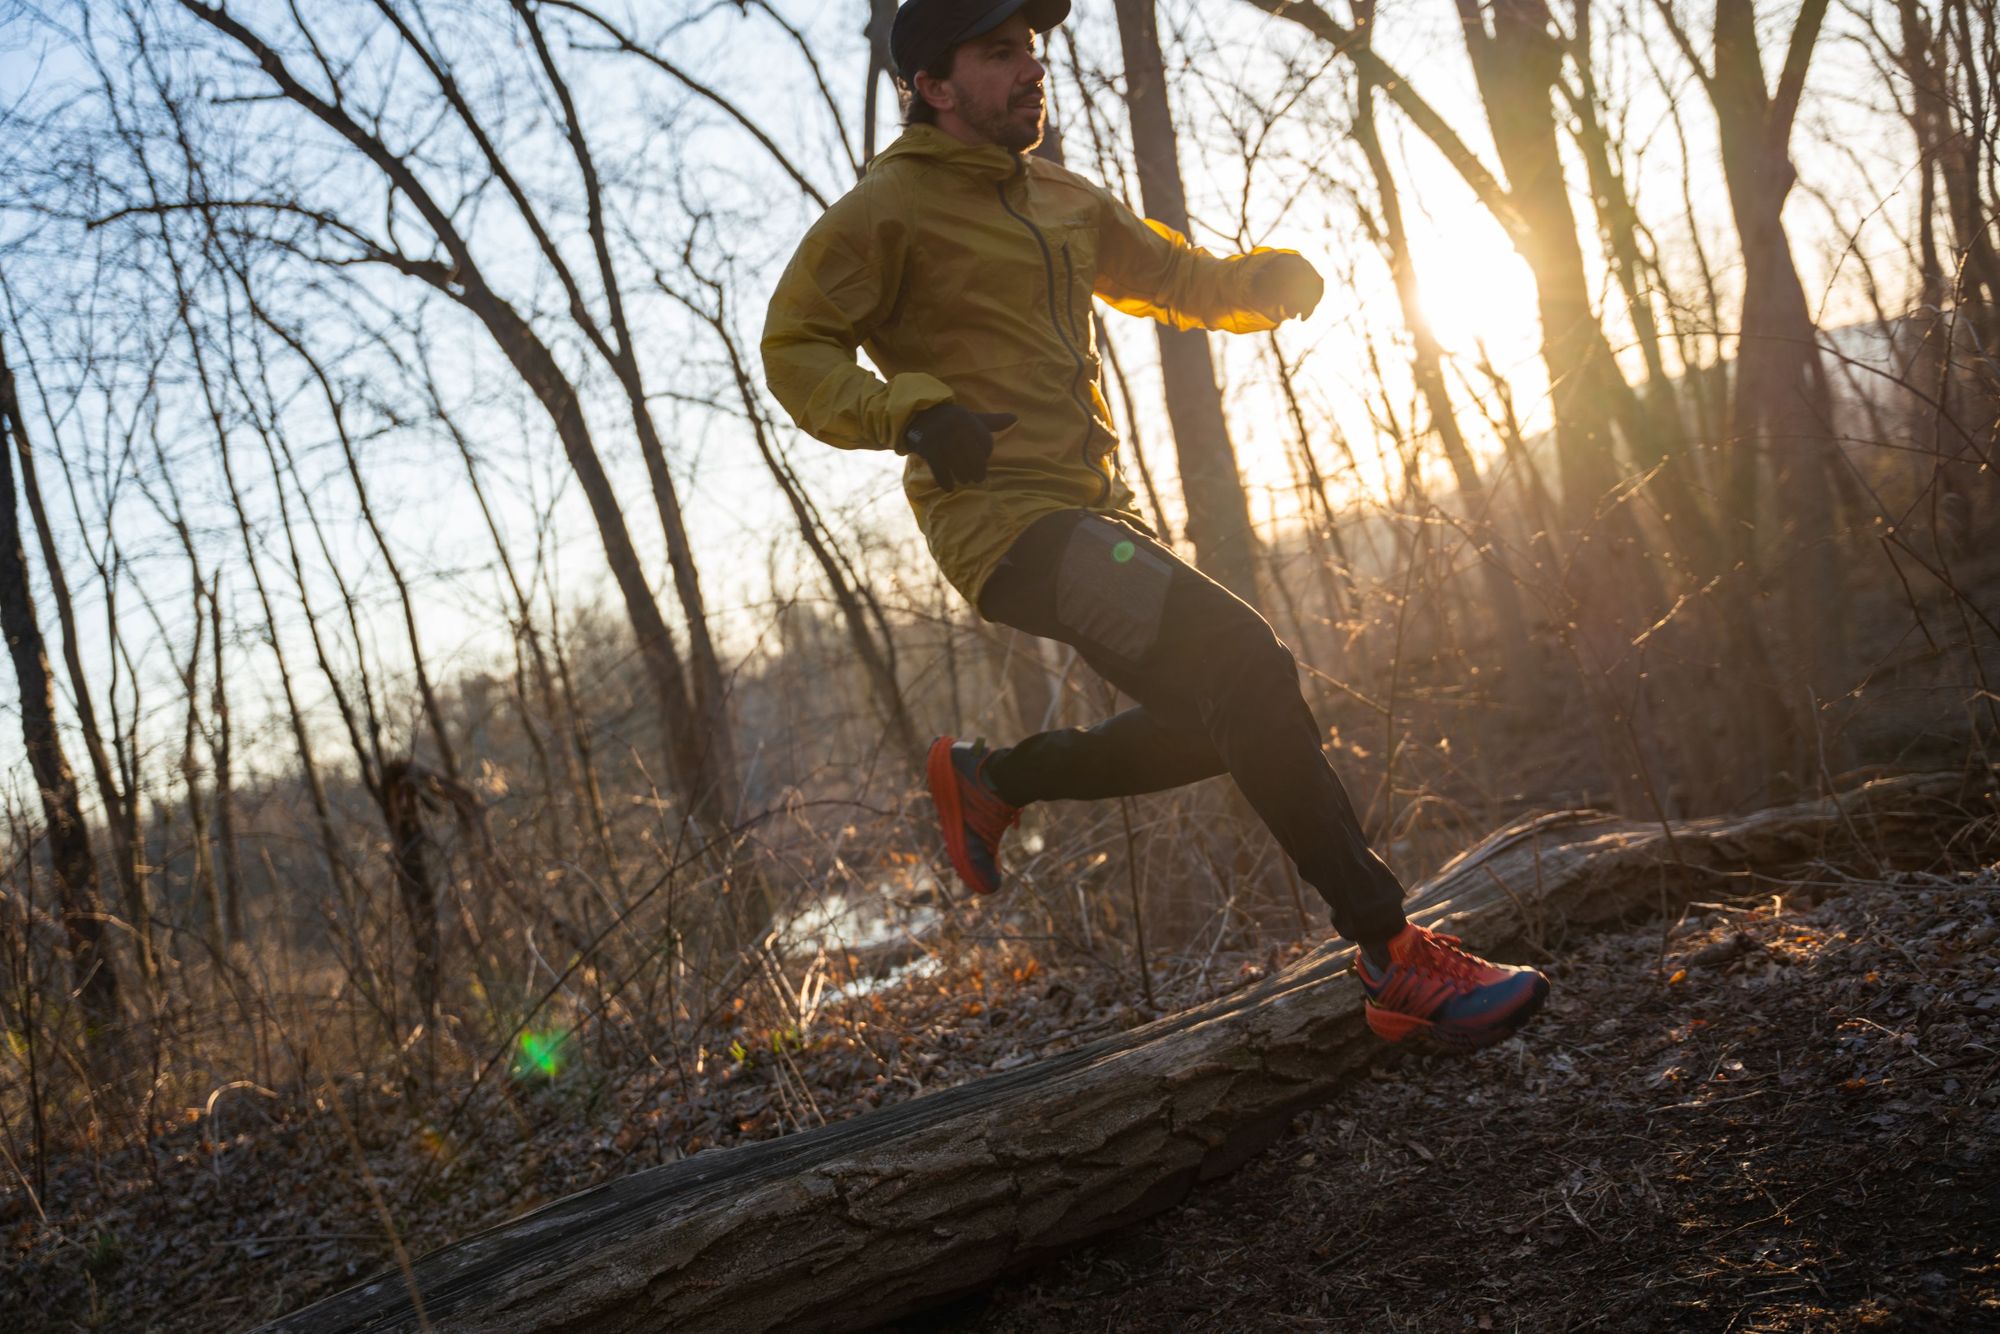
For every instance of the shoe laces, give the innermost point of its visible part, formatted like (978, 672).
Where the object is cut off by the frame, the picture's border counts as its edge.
(1436, 952)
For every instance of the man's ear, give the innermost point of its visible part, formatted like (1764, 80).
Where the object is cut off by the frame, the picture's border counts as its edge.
(935, 91)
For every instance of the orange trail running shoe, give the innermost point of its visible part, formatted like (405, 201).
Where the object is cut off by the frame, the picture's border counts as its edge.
(970, 812)
(1432, 986)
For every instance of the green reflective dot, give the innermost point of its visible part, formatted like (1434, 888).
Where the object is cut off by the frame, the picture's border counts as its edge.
(1123, 552)
(541, 1053)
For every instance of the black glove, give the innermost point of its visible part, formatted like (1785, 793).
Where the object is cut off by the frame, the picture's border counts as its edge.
(1285, 285)
(954, 442)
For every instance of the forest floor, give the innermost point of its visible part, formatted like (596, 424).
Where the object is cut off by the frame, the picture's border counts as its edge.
(1795, 1127)
(1772, 1115)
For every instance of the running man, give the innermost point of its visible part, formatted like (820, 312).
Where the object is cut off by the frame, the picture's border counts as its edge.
(966, 268)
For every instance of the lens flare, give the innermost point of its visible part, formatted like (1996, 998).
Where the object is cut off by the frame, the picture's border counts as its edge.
(542, 1054)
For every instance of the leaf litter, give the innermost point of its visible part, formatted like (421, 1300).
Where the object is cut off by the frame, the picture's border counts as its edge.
(1786, 1123)
(1801, 1132)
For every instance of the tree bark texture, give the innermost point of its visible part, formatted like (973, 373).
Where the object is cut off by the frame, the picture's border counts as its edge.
(885, 1214)
(1218, 511)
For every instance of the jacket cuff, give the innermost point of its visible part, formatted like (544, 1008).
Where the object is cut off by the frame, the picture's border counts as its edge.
(1248, 318)
(910, 394)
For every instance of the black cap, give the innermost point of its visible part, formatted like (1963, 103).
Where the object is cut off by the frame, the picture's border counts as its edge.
(926, 29)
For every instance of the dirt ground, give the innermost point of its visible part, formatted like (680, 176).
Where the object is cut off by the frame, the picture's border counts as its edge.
(1800, 1131)
(1791, 1125)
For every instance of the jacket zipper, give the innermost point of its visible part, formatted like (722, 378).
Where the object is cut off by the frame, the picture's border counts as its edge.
(1055, 321)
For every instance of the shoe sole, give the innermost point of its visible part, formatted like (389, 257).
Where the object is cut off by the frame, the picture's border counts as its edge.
(943, 777)
(1395, 1026)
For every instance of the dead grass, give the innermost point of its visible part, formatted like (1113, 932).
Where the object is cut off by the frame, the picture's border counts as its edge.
(259, 1202)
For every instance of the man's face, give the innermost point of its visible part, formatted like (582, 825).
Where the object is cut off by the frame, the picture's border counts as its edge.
(995, 89)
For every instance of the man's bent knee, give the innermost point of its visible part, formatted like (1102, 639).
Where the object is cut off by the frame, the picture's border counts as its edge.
(1248, 658)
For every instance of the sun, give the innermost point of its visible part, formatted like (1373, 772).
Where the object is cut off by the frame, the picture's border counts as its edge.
(1475, 288)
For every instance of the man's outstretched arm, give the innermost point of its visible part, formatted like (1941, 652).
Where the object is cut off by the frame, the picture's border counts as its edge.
(841, 285)
(1147, 268)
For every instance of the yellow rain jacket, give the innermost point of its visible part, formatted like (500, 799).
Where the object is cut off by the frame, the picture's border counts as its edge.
(967, 274)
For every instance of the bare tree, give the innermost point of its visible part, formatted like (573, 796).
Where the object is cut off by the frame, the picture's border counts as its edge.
(1782, 400)
(1218, 512)
(117, 792)
(688, 718)
(1516, 60)
(868, 630)
(69, 836)
(1427, 364)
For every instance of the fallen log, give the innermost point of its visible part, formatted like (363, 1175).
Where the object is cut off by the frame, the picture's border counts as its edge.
(882, 1215)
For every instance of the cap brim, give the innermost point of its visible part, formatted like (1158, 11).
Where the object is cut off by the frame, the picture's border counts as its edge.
(1042, 15)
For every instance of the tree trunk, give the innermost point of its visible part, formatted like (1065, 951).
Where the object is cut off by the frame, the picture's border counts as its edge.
(69, 837)
(1960, 110)
(715, 748)
(880, 1216)
(119, 801)
(1754, 730)
(1218, 511)
(225, 802)
(537, 366)
(1427, 365)
(1613, 588)
(881, 66)
(1783, 406)
(406, 790)
(1516, 65)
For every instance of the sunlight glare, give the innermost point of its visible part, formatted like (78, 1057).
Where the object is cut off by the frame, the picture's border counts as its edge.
(1475, 287)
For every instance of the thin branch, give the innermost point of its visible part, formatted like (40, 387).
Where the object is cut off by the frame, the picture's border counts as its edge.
(626, 44)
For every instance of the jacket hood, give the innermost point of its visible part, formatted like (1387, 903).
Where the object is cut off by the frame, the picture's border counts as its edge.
(929, 144)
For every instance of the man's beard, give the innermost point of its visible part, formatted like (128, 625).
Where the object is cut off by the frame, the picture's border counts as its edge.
(1001, 126)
